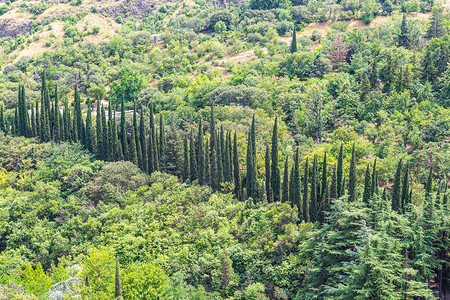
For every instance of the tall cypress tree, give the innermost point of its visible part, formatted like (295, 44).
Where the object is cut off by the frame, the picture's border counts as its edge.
(123, 129)
(251, 162)
(285, 187)
(396, 205)
(201, 153)
(296, 192)
(186, 172)
(367, 186)
(333, 189)
(33, 120)
(56, 123)
(150, 143)
(133, 149)
(118, 286)
(99, 130)
(89, 130)
(268, 180)
(314, 206)
(405, 190)
(143, 141)
(305, 205)
(339, 171)
(220, 158)
(2, 118)
(236, 170)
(352, 177)
(192, 158)
(212, 150)
(105, 139)
(291, 187)
(79, 117)
(373, 185)
(230, 158)
(161, 143)
(118, 150)
(403, 38)
(45, 108)
(227, 160)
(323, 203)
(275, 171)
(294, 41)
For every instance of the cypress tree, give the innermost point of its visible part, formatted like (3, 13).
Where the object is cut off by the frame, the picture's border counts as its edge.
(212, 149)
(291, 187)
(220, 158)
(99, 130)
(314, 206)
(230, 158)
(396, 189)
(333, 189)
(150, 142)
(133, 151)
(294, 41)
(143, 141)
(405, 190)
(161, 143)
(201, 153)
(118, 150)
(38, 130)
(305, 205)
(373, 185)
(2, 118)
(227, 160)
(74, 130)
(89, 128)
(367, 186)
(7, 126)
(403, 38)
(33, 120)
(285, 188)
(57, 125)
(275, 171)
(79, 117)
(429, 185)
(45, 107)
(104, 133)
(186, 173)
(352, 177)
(137, 139)
(123, 129)
(251, 163)
(267, 169)
(323, 199)
(22, 113)
(339, 172)
(15, 127)
(118, 286)
(206, 162)
(296, 192)
(236, 170)
(192, 158)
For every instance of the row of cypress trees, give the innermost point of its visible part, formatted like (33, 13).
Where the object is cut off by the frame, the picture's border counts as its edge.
(216, 166)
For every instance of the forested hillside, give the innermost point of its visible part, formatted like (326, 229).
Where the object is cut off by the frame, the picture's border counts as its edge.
(224, 149)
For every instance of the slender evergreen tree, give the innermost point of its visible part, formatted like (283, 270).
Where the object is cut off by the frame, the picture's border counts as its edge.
(219, 158)
(294, 41)
(396, 205)
(123, 129)
(275, 171)
(236, 170)
(305, 204)
(79, 117)
(296, 186)
(323, 199)
(285, 187)
(314, 206)
(333, 189)
(405, 190)
(133, 151)
(367, 186)
(143, 141)
(201, 153)
(403, 38)
(339, 171)
(99, 130)
(192, 158)
(161, 143)
(105, 139)
(89, 130)
(118, 286)
(373, 185)
(186, 172)
(2, 118)
(268, 180)
(352, 177)
(251, 162)
(291, 187)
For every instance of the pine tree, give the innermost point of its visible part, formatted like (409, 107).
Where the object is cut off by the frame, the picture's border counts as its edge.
(186, 172)
(367, 186)
(192, 158)
(268, 180)
(89, 130)
(294, 41)
(405, 190)
(118, 286)
(364, 89)
(352, 177)
(285, 189)
(403, 38)
(236, 170)
(275, 171)
(123, 129)
(396, 205)
(314, 206)
(437, 28)
(305, 205)
(339, 171)
(201, 153)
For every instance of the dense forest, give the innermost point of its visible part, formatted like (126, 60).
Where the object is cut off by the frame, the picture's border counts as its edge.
(224, 150)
